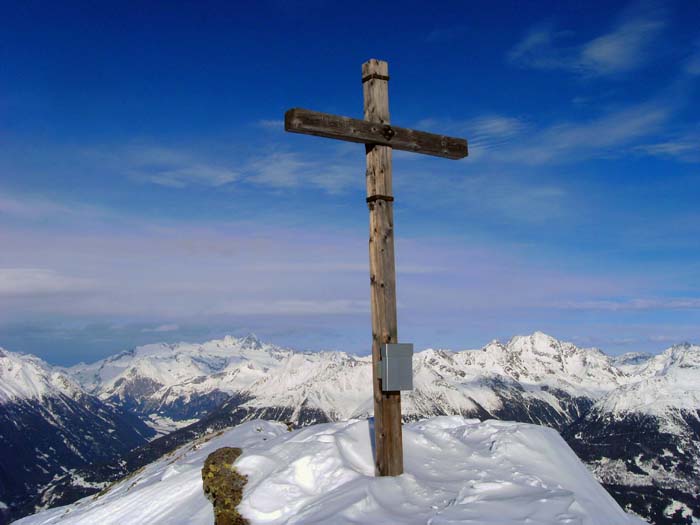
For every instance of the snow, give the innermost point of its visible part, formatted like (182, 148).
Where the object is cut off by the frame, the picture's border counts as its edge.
(181, 369)
(28, 377)
(160, 376)
(339, 384)
(675, 506)
(457, 471)
(165, 425)
(668, 383)
(630, 362)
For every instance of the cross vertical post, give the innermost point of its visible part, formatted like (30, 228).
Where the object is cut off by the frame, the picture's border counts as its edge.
(387, 405)
(380, 139)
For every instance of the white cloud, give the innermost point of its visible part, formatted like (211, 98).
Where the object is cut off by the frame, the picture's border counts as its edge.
(162, 328)
(598, 137)
(290, 170)
(491, 131)
(18, 282)
(35, 207)
(624, 48)
(169, 167)
(682, 144)
(498, 139)
(684, 148)
(182, 176)
(293, 307)
(690, 303)
(181, 169)
(271, 124)
(176, 169)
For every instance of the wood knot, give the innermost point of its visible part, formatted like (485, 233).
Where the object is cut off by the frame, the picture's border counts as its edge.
(388, 132)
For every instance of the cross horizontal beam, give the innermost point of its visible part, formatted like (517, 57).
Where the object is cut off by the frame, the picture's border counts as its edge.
(309, 122)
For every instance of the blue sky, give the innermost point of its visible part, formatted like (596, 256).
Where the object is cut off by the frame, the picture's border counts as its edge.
(148, 191)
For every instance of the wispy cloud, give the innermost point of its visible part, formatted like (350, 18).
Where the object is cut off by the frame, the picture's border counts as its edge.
(281, 170)
(162, 328)
(176, 169)
(182, 168)
(293, 307)
(271, 124)
(164, 166)
(498, 139)
(624, 48)
(691, 303)
(36, 207)
(598, 137)
(21, 282)
(683, 147)
(483, 132)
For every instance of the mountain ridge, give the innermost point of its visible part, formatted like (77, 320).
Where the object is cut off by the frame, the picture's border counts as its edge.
(532, 379)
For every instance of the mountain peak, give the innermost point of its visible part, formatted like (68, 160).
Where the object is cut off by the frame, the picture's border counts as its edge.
(535, 340)
(28, 377)
(251, 341)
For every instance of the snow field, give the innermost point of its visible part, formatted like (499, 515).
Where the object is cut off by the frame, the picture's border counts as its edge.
(457, 471)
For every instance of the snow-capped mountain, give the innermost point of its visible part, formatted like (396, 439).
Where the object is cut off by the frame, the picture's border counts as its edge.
(617, 413)
(49, 425)
(534, 378)
(179, 381)
(643, 439)
(457, 471)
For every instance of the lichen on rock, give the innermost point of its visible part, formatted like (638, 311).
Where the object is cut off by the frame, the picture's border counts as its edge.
(223, 485)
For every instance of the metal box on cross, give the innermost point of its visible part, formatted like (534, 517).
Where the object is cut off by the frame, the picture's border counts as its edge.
(396, 367)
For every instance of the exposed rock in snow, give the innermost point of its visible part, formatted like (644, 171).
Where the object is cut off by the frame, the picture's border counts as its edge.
(457, 471)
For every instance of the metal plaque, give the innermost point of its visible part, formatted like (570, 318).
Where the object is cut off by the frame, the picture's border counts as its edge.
(396, 367)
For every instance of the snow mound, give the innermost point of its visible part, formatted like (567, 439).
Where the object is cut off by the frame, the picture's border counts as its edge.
(457, 471)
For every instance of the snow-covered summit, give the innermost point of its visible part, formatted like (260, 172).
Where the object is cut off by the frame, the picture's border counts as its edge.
(540, 359)
(25, 376)
(152, 367)
(668, 382)
(457, 471)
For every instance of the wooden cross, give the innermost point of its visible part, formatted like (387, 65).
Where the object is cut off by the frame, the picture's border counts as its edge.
(379, 138)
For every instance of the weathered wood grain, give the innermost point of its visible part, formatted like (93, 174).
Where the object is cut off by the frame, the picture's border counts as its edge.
(387, 405)
(378, 132)
(380, 139)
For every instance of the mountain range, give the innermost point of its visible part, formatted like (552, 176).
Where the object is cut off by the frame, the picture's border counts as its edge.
(634, 419)
(49, 425)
